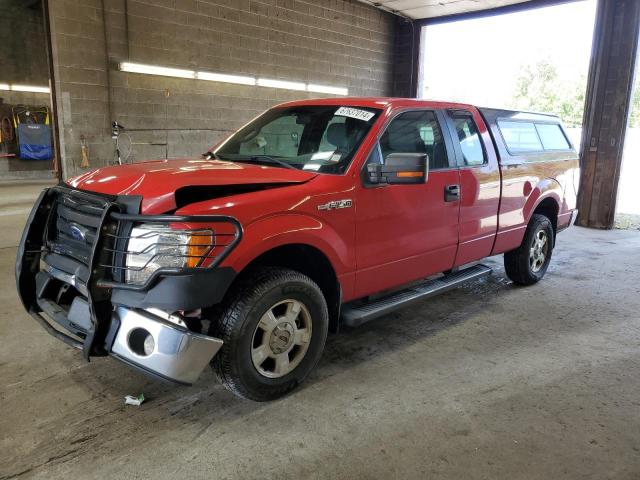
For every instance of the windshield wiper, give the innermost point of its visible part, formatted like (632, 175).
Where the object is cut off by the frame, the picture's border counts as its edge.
(272, 160)
(264, 159)
(210, 156)
(268, 160)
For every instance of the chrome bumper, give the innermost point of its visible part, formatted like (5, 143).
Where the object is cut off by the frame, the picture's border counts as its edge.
(178, 354)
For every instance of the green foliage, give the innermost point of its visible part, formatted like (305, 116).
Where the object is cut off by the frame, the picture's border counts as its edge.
(539, 89)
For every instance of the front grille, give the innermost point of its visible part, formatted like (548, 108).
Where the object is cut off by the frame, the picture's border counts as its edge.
(72, 231)
(75, 227)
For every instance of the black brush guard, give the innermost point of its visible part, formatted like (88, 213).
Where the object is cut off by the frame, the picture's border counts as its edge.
(105, 262)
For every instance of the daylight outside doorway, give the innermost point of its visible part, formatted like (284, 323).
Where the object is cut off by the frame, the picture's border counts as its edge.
(628, 203)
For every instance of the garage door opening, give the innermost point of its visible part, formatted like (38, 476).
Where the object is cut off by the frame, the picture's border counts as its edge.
(535, 60)
(26, 115)
(628, 203)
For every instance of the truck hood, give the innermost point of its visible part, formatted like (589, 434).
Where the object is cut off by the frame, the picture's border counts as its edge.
(158, 181)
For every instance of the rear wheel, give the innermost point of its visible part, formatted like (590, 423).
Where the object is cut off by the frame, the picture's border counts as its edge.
(528, 263)
(274, 327)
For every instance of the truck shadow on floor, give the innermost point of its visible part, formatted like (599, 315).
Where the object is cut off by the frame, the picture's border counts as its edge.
(407, 326)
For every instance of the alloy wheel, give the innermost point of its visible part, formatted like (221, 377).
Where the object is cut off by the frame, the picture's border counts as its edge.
(539, 251)
(281, 338)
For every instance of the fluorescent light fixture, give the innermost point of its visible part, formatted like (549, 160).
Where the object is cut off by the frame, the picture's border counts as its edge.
(216, 77)
(268, 82)
(221, 77)
(4, 86)
(29, 88)
(312, 87)
(155, 70)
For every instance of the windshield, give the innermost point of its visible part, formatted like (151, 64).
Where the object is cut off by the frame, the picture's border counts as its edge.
(316, 138)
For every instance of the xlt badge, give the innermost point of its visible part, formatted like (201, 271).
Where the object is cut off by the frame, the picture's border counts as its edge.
(335, 204)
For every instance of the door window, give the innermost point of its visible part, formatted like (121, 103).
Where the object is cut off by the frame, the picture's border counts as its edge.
(470, 143)
(415, 132)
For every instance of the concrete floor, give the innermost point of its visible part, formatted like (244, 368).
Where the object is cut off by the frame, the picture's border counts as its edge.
(488, 381)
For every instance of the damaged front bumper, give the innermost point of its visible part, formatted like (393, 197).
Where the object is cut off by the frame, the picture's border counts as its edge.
(174, 353)
(76, 294)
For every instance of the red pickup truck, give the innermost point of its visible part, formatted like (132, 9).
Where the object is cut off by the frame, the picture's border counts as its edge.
(316, 214)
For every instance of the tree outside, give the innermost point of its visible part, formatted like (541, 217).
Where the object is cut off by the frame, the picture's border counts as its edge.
(539, 88)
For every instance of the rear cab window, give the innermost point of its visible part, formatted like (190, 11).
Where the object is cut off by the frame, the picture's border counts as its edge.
(552, 137)
(527, 137)
(521, 137)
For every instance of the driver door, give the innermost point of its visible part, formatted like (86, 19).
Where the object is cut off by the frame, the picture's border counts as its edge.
(408, 232)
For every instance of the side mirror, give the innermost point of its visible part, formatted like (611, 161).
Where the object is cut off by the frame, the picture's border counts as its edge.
(400, 168)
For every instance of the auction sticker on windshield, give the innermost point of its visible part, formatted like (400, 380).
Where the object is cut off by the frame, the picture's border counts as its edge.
(354, 113)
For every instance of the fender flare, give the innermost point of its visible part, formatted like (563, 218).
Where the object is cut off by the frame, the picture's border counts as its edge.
(546, 188)
(279, 230)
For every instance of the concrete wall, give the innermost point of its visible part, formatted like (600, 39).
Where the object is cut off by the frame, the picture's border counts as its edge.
(331, 42)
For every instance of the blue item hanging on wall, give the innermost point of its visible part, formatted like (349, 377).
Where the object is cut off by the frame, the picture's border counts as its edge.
(35, 141)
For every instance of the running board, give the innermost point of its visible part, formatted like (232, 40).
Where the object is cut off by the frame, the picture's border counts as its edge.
(352, 316)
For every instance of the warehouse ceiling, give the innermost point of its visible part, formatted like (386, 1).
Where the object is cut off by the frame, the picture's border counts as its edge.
(418, 9)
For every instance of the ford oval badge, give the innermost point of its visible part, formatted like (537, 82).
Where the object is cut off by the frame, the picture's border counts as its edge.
(78, 233)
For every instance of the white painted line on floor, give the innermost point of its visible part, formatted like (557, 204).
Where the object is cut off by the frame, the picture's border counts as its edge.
(17, 211)
(24, 198)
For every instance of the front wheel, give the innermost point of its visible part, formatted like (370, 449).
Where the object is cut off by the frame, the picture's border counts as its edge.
(528, 263)
(274, 327)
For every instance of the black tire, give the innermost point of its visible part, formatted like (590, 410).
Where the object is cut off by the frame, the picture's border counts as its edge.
(254, 296)
(518, 262)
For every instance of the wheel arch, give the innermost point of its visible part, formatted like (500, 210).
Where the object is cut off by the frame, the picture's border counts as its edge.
(545, 200)
(310, 261)
(550, 208)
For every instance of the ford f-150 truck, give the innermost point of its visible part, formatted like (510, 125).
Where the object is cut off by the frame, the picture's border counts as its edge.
(315, 215)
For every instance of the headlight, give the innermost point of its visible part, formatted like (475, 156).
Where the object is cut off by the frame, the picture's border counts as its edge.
(152, 247)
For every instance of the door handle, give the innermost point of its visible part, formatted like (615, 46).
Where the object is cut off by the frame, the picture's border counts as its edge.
(451, 193)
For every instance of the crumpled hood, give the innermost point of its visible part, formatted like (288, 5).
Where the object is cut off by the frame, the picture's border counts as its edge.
(157, 181)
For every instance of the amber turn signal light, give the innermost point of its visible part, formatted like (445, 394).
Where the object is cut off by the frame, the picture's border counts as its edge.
(199, 245)
(409, 174)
